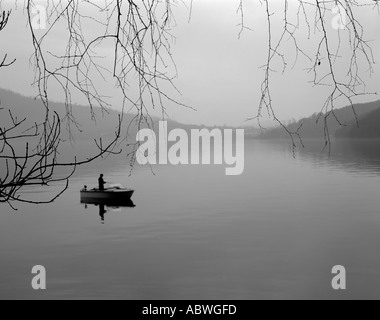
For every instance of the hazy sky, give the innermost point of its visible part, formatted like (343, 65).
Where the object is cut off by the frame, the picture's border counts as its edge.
(218, 73)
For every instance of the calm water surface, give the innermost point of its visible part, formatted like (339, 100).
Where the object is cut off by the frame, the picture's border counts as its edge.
(274, 232)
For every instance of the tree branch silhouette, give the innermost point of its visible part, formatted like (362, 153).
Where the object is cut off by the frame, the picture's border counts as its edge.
(138, 35)
(344, 86)
(29, 155)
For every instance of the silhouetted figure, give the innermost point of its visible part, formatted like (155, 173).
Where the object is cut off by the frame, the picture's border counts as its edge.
(102, 211)
(101, 183)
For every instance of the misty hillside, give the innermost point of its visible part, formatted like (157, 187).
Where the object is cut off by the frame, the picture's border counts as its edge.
(85, 128)
(83, 131)
(311, 129)
(103, 125)
(368, 128)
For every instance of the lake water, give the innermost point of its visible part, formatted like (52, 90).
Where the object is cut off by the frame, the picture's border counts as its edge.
(274, 232)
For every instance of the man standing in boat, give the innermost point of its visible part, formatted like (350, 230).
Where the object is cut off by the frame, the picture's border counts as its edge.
(101, 183)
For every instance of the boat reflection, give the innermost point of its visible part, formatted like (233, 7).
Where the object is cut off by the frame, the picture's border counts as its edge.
(108, 205)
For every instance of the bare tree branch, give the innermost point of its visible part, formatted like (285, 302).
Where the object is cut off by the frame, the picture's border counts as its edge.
(29, 156)
(139, 35)
(356, 51)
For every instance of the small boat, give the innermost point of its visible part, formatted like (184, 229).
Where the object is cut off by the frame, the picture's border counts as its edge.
(114, 195)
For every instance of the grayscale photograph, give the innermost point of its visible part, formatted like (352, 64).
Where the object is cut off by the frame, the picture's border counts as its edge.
(165, 151)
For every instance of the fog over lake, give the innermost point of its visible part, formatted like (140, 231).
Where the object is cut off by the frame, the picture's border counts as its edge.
(195, 233)
(189, 150)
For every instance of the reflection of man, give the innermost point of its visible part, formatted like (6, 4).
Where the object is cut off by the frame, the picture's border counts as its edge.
(102, 211)
(101, 183)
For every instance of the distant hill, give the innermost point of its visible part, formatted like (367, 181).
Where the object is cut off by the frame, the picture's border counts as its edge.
(84, 132)
(313, 130)
(369, 128)
(85, 129)
(103, 125)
